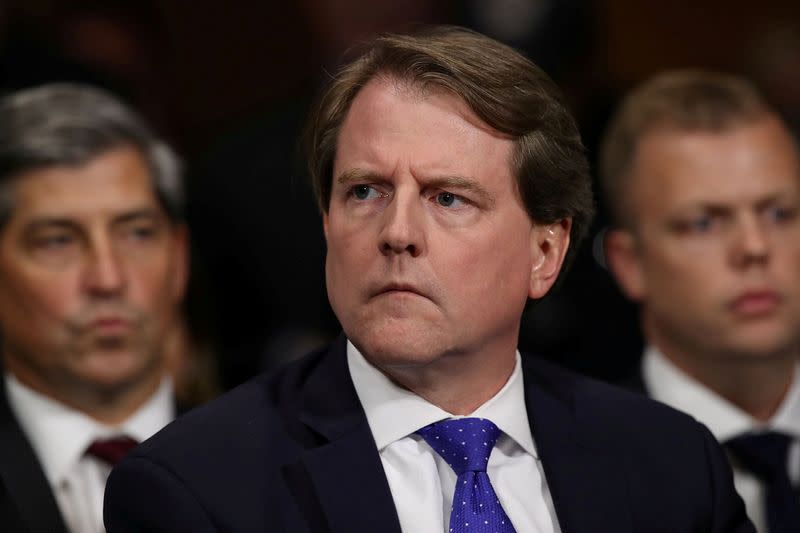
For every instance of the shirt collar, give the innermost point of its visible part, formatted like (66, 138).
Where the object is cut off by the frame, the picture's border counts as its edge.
(60, 434)
(394, 413)
(669, 384)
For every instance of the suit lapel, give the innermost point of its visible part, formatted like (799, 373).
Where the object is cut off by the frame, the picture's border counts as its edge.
(348, 478)
(587, 483)
(346, 471)
(27, 491)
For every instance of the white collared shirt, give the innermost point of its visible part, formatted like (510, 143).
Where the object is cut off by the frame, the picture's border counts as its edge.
(422, 483)
(60, 436)
(668, 384)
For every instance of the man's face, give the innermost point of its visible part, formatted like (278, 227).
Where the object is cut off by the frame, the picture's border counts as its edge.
(430, 249)
(91, 273)
(715, 253)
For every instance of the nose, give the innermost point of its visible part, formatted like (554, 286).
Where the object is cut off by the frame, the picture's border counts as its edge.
(104, 272)
(403, 224)
(751, 244)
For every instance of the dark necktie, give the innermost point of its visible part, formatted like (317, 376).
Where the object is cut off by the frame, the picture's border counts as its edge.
(465, 444)
(111, 450)
(765, 456)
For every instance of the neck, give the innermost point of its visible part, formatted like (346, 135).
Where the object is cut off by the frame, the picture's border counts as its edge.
(755, 383)
(456, 383)
(109, 405)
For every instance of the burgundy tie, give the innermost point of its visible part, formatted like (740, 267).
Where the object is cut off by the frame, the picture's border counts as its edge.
(111, 450)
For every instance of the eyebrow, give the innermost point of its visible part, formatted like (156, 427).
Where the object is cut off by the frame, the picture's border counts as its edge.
(442, 182)
(777, 198)
(355, 175)
(146, 212)
(762, 202)
(69, 222)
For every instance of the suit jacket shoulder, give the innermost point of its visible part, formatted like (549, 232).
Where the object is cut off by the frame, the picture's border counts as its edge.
(642, 465)
(293, 452)
(26, 500)
(287, 452)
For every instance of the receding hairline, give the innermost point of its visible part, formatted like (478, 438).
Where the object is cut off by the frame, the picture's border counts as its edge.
(682, 101)
(10, 183)
(68, 124)
(670, 129)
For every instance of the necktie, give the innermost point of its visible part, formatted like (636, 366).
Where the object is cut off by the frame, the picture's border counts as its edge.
(765, 456)
(465, 444)
(111, 450)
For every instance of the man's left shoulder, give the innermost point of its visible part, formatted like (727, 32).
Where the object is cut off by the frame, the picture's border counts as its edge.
(643, 465)
(607, 414)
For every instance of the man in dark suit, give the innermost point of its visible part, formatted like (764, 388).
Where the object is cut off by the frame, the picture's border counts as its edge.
(92, 270)
(453, 185)
(703, 178)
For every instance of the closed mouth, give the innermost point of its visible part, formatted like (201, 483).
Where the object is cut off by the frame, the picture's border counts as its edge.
(400, 288)
(757, 302)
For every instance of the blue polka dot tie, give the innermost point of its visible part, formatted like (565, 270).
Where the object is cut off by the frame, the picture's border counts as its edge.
(466, 444)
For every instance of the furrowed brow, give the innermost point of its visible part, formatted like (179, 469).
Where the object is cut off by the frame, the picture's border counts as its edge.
(456, 183)
(775, 198)
(354, 175)
(459, 183)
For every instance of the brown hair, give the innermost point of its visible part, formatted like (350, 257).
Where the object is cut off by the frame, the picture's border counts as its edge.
(684, 100)
(503, 88)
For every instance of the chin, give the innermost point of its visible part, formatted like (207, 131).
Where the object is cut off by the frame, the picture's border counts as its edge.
(400, 357)
(765, 345)
(399, 342)
(755, 340)
(112, 369)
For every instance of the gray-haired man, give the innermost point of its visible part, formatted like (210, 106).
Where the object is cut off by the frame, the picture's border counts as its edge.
(92, 269)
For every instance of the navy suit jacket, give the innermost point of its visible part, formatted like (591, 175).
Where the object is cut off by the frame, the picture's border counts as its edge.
(293, 452)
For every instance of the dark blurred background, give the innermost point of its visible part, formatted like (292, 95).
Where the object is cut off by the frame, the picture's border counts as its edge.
(229, 84)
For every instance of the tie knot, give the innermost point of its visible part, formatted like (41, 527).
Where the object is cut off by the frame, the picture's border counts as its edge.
(764, 454)
(465, 443)
(111, 450)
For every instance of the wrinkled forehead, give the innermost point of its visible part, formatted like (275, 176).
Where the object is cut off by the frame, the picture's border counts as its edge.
(390, 128)
(115, 181)
(419, 89)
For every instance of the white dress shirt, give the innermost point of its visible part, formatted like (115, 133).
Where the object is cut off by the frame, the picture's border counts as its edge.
(670, 385)
(422, 483)
(60, 436)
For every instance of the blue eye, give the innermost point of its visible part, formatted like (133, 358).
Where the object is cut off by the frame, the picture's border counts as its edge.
(448, 199)
(700, 224)
(781, 214)
(364, 192)
(54, 241)
(142, 232)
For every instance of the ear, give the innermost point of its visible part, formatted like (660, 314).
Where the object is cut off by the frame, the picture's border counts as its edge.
(624, 262)
(325, 224)
(549, 246)
(180, 260)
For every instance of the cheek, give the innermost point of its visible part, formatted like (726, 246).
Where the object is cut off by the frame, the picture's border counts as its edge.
(491, 266)
(349, 248)
(788, 270)
(40, 300)
(339, 266)
(152, 286)
(683, 278)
